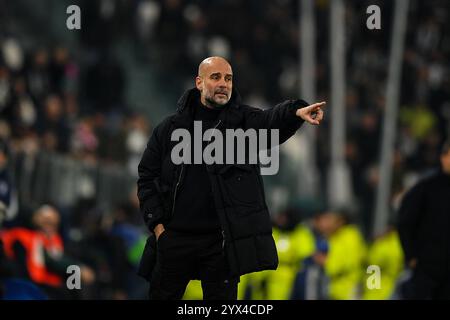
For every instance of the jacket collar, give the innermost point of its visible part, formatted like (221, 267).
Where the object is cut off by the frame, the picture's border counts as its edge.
(230, 115)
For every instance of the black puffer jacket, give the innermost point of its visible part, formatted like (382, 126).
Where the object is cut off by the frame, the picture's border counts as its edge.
(237, 188)
(424, 224)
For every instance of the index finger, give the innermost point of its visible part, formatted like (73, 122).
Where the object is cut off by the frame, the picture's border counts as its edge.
(318, 104)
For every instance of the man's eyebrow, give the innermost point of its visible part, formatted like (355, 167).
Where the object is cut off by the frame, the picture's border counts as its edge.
(218, 73)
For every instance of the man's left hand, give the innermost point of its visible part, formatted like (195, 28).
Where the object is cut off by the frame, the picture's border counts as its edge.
(312, 114)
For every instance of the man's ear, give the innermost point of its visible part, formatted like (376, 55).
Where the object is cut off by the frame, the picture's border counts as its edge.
(199, 83)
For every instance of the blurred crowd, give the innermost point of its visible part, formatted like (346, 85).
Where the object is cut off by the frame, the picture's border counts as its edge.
(53, 102)
(39, 103)
(54, 107)
(325, 257)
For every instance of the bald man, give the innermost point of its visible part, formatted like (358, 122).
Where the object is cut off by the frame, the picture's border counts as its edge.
(209, 221)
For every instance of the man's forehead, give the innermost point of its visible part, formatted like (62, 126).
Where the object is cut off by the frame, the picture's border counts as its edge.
(222, 69)
(211, 66)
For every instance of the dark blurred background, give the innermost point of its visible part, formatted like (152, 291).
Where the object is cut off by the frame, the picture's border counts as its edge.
(78, 106)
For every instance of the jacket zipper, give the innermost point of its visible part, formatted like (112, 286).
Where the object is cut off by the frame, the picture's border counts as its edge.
(214, 129)
(223, 232)
(176, 189)
(177, 185)
(179, 180)
(223, 239)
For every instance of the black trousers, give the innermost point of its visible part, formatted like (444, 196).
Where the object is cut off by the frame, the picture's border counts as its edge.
(183, 257)
(424, 285)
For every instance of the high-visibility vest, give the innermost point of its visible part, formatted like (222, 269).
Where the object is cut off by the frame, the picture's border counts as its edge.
(292, 247)
(35, 243)
(303, 243)
(345, 262)
(386, 253)
(193, 291)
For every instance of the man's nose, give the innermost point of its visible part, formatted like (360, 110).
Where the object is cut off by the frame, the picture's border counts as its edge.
(224, 86)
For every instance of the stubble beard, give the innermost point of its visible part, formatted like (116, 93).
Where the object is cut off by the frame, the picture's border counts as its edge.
(215, 104)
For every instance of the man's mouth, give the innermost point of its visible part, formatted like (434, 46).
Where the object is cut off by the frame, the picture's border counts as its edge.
(222, 93)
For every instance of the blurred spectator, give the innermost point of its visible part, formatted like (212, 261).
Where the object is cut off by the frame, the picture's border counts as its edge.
(147, 12)
(294, 243)
(5, 182)
(134, 239)
(13, 54)
(387, 254)
(24, 114)
(136, 141)
(423, 227)
(12, 288)
(106, 253)
(39, 80)
(124, 228)
(105, 84)
(61, 70)
(52, 125)
(343, 240)
(311, 283)
(8, 197)
(38, 253)
(5, 90)
(84, 141)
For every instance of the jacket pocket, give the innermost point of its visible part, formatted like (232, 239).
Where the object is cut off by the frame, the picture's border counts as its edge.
(242, 185)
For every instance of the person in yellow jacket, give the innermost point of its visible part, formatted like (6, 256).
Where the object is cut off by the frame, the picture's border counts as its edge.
(279, 283)
(294, 242)
(193, 291)
(252, 286)
(385, 253)
(343, 263)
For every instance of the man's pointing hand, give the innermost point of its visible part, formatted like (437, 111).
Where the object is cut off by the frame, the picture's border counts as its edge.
(312, 114)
